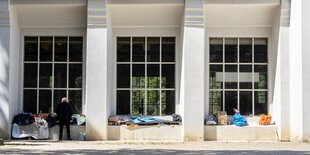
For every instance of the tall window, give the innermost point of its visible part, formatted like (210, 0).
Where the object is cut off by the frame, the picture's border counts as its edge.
(238, 75)
(52, 70)
(146, 75)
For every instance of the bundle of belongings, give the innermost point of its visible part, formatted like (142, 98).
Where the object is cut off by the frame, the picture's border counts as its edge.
(239, 120)
(142, 120)
(78, 119)
(265, 119)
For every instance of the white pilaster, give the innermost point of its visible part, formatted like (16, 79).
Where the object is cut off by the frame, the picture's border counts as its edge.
(96, 71)
(192, 74)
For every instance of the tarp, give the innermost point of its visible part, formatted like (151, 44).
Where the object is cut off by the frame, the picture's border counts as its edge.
(32, 130)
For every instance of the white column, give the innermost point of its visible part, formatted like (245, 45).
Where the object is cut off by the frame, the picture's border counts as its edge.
(4, 69)
(96, 71)
(192, 74)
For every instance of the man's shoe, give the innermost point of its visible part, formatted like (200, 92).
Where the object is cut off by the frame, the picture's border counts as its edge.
(60, 138)
(69, 138)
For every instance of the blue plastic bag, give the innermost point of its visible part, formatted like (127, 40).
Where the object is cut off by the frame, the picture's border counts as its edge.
(239, 120)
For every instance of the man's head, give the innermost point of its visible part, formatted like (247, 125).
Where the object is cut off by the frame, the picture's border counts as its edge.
(64, 99)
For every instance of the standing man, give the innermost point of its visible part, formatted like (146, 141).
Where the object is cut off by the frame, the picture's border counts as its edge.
(64, 114)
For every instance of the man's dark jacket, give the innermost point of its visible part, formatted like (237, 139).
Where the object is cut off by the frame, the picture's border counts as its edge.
(64, 112)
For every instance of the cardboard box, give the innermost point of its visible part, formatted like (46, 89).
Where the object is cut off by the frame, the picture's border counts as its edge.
(221, 118)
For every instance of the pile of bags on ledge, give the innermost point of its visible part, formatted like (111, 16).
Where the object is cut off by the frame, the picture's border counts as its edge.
(237, 119)
(37, 125)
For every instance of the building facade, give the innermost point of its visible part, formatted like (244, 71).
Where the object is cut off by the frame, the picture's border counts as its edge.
(157, 58)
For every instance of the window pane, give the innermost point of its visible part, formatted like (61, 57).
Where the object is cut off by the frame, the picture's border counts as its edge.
(215, 102)
(231, 50)
(45, 101)
(216, 77)
(168, 76)
(75, 76)
(231, 102)
(245, 51)
(153, 49)
(168, 49)
(138, 76)
(58, 95)
(123, 49)
(153, 77)
(246, 102)
(46, 48)
(260, 76)
(60, 48)
(31, 49)
(75, 99)
(75, 49)
(260, 104)
(60, 73)
(123, 102)
(46, 78)
(260, 50)
(138, 97)
(216, 49)
(231, 76)
(30, 101)
(138, 49)
(245, 77)
(167, 102)
(153, 102)
(123, 76)
(30, 75)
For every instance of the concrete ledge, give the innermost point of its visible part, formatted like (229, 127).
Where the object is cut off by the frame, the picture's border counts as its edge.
(247, 133)
(74, 131)
(163, 132)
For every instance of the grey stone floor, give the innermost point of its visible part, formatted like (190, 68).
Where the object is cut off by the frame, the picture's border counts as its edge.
(152, 147)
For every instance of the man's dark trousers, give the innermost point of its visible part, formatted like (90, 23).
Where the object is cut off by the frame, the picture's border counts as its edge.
(61, 125)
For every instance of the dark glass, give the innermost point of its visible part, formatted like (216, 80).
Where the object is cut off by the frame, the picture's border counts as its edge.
(58, 95)
(216, 77)
(46, 48)
(75, 49)
(60, 75)
(138, 49)
(75, 99)
(153, 49)
(167, 102)
(245, 77)
(45, 101)
(153, 102)
(215, 102)
(123, 76)
(30, 75)
(138, 106)
(231, 50)
(216, 49)
(75, 76)
(231, 77)
(138, 76)
(168, 49)
(245, 50)
(260, 50)
(123, 49)
(61, 48)
(31, 48)
(153, 77)
(30, 101)
(123, 102)
(231, 101)
(245, 102)
(45, 76)
(260, 104)
(260, 76)
(168, 76)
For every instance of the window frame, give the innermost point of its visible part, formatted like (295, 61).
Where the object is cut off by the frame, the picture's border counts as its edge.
(146, 63)
(238, 64)
(53, 62)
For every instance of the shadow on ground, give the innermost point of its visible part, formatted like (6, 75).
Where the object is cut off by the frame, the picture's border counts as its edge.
(148, 152)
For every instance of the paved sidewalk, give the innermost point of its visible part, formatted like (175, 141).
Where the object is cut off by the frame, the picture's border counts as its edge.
(151, 147)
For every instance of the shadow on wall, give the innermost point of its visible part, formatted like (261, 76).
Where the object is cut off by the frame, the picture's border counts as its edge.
(148, 151)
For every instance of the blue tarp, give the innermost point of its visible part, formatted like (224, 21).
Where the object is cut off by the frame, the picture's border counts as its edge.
(137, 120)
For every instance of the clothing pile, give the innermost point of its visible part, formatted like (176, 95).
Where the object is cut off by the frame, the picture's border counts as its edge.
(78, 119)
(140, 120)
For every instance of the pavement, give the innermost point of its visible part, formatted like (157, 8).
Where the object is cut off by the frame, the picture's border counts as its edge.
(152, 147)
